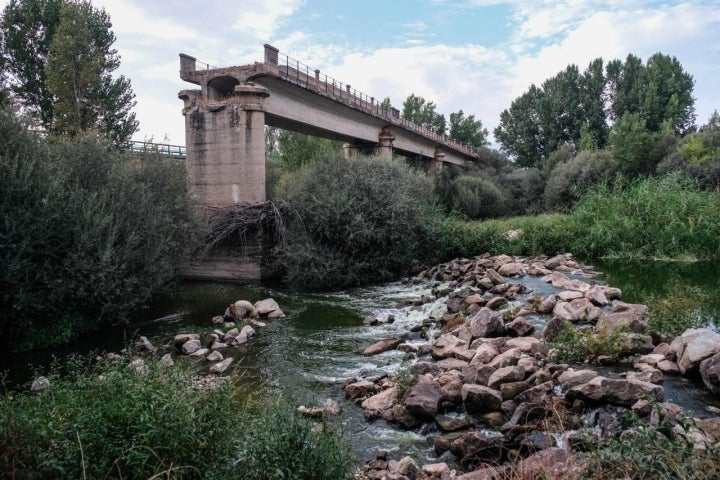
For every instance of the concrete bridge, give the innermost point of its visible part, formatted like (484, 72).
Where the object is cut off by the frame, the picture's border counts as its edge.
(225, 120)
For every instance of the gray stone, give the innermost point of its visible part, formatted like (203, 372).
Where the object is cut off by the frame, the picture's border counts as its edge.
(200, 353)
(520, 327)
(697, 345)
(710, 373)
(191, 346)
(269, 308)
(214, 357)
(384, 345)
(625, 314)
(477, 447)
(424, 397)
(505, 375)
(222, 366)
(486, 323)
(39, 384)
(167, 360)
(375, 406)
(624, 392)
(445, 345)
(571, 378)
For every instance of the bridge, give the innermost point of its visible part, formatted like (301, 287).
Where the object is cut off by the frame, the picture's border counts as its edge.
(226, 117)
(139, 147)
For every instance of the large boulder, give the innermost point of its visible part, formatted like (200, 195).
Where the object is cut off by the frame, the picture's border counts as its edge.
(424, 397)
(191, 346)
(481, 399)
(479, 447)
(446, 344)
(571, 377)
(375, 406)
(506, 375)
(624, 392)
(520, 327)
(577, 310)
(694, 346)
(486, 323)
(220, 367)
(269, 308)
(710, 372)
(360, 390)
(631, 315)
(384, 345)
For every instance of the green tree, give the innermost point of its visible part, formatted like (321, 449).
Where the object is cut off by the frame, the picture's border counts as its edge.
(386, 104)
(520, 133)
(468, 130)
(26, 30)
(630, 141)
(297, 149)
(713, 123)
(60, 61)
(418, 110)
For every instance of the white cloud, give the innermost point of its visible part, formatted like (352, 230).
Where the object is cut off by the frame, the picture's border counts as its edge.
(262, 17)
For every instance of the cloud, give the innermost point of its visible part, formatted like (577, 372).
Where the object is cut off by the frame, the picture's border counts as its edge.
(262, 17)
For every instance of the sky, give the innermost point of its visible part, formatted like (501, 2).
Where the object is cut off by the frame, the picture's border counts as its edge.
(474, 55)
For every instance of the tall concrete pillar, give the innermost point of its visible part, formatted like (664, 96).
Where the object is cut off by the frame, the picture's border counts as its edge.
(384, 148)
(437, 163)
(225, 140)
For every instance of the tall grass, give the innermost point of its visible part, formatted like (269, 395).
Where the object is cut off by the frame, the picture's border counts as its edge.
(106, 420)
(656, 217)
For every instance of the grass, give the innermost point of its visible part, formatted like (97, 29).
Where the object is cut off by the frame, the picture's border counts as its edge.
(105, 420)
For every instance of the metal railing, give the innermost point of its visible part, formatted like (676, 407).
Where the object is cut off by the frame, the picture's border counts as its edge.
(141, 147)
(302, 75)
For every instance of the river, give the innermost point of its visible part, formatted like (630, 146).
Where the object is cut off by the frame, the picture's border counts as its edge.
(307, 356)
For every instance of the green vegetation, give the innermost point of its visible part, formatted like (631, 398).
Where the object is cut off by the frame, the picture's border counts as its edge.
(642, 451)
(576, 345)
(358, 221)
(677, 311)
(107, 420)
(59, 59)
(88, 235)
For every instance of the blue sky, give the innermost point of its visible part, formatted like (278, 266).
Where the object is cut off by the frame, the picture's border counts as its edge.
(475, 55)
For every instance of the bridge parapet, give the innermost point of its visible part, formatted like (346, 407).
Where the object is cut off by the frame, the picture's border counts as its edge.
(214, 84)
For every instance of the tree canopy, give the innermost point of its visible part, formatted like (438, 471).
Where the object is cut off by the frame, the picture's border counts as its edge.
(59, 60)
(423, 112)
(576, 108)
(468, 130)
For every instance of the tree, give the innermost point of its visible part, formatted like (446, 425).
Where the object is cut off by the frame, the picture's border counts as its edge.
(386, 104)
(26, 30)
(467, 130)
(60, 60)
(713, 123)
(298, 149)
(418, 110)
(520, 133)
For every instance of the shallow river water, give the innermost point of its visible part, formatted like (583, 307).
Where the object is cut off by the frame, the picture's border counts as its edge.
(307, 356)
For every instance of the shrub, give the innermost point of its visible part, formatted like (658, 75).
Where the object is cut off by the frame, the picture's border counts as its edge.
(523, 190)
(577, 345)
(478, 198)
(680, 310)
(571, 179)
(88, 234)
(359, 220)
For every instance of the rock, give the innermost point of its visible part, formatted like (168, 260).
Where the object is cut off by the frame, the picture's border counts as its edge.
(218, 319)
(39, 384)
(522, 414)
(200, 353)
(436, 470)
(144, 344)
(269, 308)
(214, 357)
(191, 346)
(641, 408)
(536, 441)
(710, 373)
(446, 344)
(481, 399)
(219, 345)
(486, 323)
(405, 466)
(375, 406)
(451, 364)
(524, 344)
(625, 314)
(243, 309)
(443, 442)
(475, 298)
(424, 397)
(248, 331)
(399, 414)
(579, 309)
(623, 392)
(182, 338)
(520, 327)
(384, 345)
(571, 378)
(567, 295)
(360, 390)
(140, 366)
(370, 321)
(696, 345)
(596, 294)
(651, 375)
(505, 375)
(668, 367)
(507, 358)
(548, 304)
(221, 367)
(484, 354)
(167, 360)
(494, 277)
(555, 262)
(512, 389)
(453, 423)
(541, 394)
(511, 269)
(552, 464)
(479, 447)
(496, 303)
(554, 327)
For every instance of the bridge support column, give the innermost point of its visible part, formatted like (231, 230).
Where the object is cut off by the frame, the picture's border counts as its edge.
(384, 148)
(436, 164)
(226, 146)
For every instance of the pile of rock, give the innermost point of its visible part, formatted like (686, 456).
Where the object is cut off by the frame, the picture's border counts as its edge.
(490, 388)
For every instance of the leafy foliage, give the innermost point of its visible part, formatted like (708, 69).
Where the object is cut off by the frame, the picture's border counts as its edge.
(678, 311)
(88, 235)
(60, 59)
(468, 130)
(423, 112)
(107, 420)
(359, 220)
(578, 345)
(571, 179)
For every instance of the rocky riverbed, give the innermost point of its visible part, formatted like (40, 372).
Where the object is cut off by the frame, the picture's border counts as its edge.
(490, 391)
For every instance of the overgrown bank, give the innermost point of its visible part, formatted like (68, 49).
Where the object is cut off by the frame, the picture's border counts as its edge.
(88, 235)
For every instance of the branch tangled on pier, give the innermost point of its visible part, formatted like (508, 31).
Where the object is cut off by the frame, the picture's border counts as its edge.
(234, 224)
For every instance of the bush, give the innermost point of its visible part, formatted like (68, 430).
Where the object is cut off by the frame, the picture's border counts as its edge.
(680, 310)
(578, 345)
(478, 198)
(106, 420)
(523, 190)
(571, 179)
(89, 235)
(358, 221)
(662, 217)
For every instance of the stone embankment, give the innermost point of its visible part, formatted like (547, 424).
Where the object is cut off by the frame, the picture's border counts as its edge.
(489, 386)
